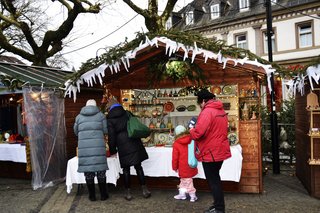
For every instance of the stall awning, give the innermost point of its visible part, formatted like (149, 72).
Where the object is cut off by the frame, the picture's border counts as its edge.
(34, 75)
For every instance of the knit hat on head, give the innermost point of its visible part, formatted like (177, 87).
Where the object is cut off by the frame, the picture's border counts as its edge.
(204, 94)
(91, 102)
(111, 101)
(179, 129)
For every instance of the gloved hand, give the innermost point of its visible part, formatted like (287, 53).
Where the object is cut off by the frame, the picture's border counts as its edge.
(192, 122)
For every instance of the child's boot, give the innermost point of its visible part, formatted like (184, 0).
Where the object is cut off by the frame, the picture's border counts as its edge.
(182, 194)
(193, 197)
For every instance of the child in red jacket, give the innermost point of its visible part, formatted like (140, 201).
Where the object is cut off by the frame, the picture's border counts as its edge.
(180, 164)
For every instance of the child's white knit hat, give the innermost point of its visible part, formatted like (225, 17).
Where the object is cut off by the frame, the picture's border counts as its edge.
(179, 129)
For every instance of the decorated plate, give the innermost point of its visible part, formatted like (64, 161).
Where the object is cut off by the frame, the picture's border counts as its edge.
(233, 138)
(181, 108)
(216, 90)
(168, 107)
(163, 138)
(191, 108)
(227, 90)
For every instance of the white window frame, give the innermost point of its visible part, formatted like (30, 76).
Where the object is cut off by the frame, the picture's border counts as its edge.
(189, 17)
(169, 23)
(244, 5)
(241, 43)
(265, 42)
(215, 11)
(305, 36)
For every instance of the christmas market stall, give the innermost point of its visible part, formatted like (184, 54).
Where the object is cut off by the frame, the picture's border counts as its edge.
(307, 122)
(156, 76)
(33, 130)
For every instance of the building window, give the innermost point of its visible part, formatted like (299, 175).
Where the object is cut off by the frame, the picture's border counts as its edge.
(265, 42)
(169, 23)
(241, 41)
(305, 35)
(215, 11)
(189, 18)
(244, 5)
(274, 2)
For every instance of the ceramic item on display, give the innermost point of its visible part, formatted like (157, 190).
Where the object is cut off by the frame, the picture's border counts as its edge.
(162, 125)
(163, 138)
(7, 136)
(155, 112)
(181, 108)
(175, 94)
(191, 108)
(216, 90)
(243, 93)
(151, 125)
(227, 90)
(158, 123)
(254, 116)
(233, 138)
(168, 107)
(169, 124)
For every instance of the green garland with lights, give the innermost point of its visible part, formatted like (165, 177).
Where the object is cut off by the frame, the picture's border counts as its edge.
(188, 39)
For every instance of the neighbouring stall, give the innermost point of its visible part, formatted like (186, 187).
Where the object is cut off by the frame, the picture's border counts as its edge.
(155, 77)
(307, 123)
(34, 125)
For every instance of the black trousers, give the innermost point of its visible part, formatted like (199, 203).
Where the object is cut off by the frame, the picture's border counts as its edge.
(211, 171)
(140, 174)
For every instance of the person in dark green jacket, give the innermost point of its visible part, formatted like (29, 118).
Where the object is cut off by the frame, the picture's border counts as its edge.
(90, 126)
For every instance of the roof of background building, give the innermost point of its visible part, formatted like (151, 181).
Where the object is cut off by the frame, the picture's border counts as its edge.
(229, 10)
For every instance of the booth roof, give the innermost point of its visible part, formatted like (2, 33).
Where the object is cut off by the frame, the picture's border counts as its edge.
(34, 75)
(124, 62)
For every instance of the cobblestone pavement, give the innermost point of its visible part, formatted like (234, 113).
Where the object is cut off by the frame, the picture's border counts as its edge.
(282, 193)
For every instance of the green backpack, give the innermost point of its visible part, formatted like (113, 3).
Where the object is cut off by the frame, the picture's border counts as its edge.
(135, 128)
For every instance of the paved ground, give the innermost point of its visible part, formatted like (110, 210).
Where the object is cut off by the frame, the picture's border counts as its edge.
(282, 193)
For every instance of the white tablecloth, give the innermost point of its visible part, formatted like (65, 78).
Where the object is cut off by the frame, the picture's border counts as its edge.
(159, 164)
(73, 176)
(13, 152)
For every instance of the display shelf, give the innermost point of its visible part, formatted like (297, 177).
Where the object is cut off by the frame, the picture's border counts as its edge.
(314, 134)
(314, 162)
(178, 98)
(185, 113)
(160, 130)
(138, 105)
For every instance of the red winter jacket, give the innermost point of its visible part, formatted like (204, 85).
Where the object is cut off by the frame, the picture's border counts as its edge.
(180, 157)
(211, 133)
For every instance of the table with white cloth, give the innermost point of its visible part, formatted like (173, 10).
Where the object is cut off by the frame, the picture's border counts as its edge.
(13, 152)
(159, 164)
(72, 176)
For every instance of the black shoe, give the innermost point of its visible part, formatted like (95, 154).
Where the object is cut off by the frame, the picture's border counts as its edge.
(103, 191)
(212, 209)
(128, 195)
(91, 189)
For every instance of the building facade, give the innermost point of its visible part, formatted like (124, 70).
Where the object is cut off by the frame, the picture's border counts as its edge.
(243, 23)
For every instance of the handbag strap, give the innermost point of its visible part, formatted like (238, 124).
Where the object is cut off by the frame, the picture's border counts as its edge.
(129, 114)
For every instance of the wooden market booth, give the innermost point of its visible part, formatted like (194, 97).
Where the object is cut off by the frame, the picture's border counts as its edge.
(39, 81)
(307, 132)
(223, 75)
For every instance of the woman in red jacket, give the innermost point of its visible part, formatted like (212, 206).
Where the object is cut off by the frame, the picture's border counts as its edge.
(180, 164)
(211, 136)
